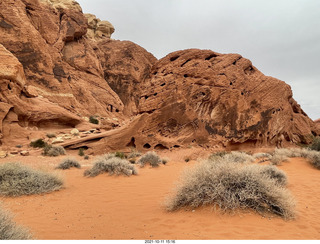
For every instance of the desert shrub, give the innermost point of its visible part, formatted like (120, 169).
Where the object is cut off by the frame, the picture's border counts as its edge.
(313, 158)
(53, 151)
(232, 186)
(86, 157)
(120, 155)
(17, 179)
(151, 158)
(51, 135)
(93, 120)
(274, 173)
(9, 230)
(39, 143)
(277, 159)
(113, 165)
(81, 152)
(68, 163)
(315, 145)
(234, 156)
(165, 160)
(262, 155)
(217, 154)
(133, 154)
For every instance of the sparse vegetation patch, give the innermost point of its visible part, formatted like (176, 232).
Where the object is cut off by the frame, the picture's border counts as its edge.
(111, 165)
(17, 179)
(151, 158)
(9, 230)
(53, 151)
(233, 186)
(68, 163)
(39, 143)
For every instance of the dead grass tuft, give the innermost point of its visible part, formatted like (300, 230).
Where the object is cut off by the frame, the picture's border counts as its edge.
(17, 179)
(232, 186)
(9, 230)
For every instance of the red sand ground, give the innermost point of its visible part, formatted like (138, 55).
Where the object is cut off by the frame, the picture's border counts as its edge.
(119, 207)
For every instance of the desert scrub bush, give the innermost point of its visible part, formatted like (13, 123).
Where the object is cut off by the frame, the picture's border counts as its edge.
(234, 156)
(120, 155)
(86, 157)
(277, 159)
(93, 120)
(151, 158)
(17, 179)
(53, 151)
(113, 165)
(39, 143)
(9, 230)
(315, 145)
(133, 154)
(68, 163)
(232, 186)
(274, 173)
(165, 160)
(81, 152)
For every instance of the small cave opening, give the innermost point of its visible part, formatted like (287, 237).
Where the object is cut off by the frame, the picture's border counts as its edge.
(147, 146)
(176, 146)
(185, 76)
(117, 110)
(9, 87)
(163, 84)
(146, 97)
(242, 93)
(160, 147)
(314, 133)
(155, 94)
(211, 56)
(132, 143)
(174, 58)
(231, 83)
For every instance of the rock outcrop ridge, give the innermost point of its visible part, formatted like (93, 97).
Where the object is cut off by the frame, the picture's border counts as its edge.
(62, 66)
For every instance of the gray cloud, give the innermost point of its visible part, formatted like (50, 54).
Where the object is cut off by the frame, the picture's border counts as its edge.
(281, 38)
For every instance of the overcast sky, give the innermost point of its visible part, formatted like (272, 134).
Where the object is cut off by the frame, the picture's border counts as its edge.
(280, 37)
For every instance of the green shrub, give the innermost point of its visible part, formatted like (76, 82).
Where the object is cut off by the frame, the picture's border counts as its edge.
(217, 154)
(86, 157)
(315, 145)
(113, 165)
(81, 152)
(9, 230)
(120, 155)
(39, 143)
(68, 163)
(232, 186)
(18, 179)
(53, 151)
(151, 158)
(93, 120)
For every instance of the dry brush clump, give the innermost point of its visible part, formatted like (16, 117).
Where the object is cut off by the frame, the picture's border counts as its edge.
(234, 157)
(281, 155)
(151, 158)
(9, 230)
(111, 165)
(17, 179)
(68, 163)
(53, 151)
(233, 186)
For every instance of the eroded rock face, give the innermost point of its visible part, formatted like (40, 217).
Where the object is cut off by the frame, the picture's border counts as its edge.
(18, 110)
(206, 98)
(98, 29)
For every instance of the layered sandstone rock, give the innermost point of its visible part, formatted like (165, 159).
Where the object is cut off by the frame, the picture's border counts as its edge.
(98, 29)
(59, 67)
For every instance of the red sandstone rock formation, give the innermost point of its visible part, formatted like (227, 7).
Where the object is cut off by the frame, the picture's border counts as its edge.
(59, 67)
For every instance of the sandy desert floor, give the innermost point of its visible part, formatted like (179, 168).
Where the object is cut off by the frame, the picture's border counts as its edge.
(120, 207)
